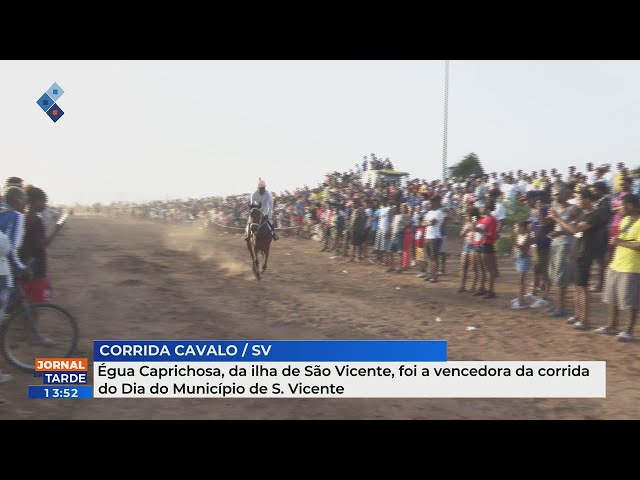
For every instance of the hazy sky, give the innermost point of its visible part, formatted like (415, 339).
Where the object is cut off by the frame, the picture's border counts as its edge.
(144, 130)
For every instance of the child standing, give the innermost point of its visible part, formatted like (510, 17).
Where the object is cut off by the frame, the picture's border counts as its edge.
(522, 257)
(466, 259)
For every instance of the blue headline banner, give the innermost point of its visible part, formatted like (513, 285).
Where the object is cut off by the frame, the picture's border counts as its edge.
(270, 351)
(60, 392)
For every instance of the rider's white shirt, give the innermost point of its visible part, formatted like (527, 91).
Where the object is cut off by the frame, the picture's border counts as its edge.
(266, 201)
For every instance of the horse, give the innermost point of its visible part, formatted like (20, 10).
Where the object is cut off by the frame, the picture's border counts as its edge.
(258, 240)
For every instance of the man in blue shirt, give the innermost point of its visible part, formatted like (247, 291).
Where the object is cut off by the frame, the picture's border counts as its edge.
(12, 224)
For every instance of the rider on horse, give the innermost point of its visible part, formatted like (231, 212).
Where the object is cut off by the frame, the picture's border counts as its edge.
(263, 198)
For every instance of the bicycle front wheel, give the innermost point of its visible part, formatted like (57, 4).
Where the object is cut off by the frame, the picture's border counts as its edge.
(37, 331)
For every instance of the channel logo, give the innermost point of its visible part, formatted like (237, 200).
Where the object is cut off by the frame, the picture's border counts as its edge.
(61, 378)
(48, 102)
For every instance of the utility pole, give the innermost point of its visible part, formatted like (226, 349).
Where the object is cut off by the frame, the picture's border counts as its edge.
(446, 119)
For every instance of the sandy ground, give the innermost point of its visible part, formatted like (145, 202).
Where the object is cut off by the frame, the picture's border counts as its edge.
(130, 279)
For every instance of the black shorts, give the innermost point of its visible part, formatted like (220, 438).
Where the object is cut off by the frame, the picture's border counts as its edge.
(541, 262)
(432, 248)
(581, 270)
(357, 238)
(601, 247)
(486, 248)
(600, 251)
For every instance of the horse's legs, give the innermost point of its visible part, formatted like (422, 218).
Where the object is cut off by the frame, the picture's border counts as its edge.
(265, 258)
(256, 263)
(250, 251)
(254, 260)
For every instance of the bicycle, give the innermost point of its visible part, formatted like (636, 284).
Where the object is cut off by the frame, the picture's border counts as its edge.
(30, 330)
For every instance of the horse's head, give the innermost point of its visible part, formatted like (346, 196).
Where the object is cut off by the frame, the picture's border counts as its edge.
(256, 216)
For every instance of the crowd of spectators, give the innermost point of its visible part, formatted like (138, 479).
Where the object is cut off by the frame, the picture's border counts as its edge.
(567, 230)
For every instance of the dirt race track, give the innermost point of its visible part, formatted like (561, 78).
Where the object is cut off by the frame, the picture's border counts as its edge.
(130, 279)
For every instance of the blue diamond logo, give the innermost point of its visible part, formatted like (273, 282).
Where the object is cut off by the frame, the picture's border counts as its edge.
(55, 112)
(55, 92)
(45, 102)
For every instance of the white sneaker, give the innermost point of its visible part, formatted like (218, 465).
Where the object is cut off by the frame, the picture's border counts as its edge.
(540, 303)
(5, 377)
(516, 305)
(602, 330)
(624, 337)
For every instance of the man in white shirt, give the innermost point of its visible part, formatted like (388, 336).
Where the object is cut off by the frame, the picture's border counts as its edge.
(433, 237)
(382, 242)
(263, 198)
(509, 190)
(523, 185)
(499, 212)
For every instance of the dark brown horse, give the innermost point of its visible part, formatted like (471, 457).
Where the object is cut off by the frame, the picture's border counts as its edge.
(259, 239)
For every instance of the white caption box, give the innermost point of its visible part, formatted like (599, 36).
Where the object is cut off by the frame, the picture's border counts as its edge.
(521, 379)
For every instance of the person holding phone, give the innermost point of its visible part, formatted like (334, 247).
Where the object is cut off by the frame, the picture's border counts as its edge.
(559, 270)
